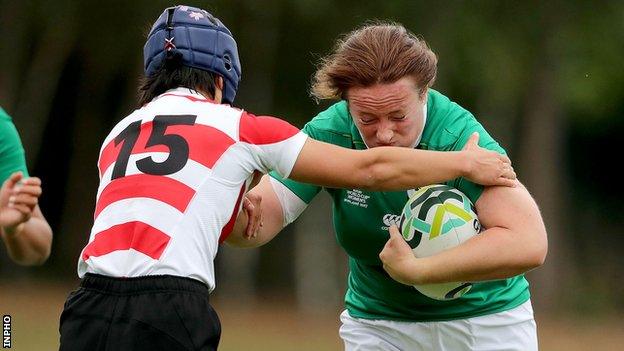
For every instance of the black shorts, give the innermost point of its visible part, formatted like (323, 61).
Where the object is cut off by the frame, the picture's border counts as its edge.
(145, 313)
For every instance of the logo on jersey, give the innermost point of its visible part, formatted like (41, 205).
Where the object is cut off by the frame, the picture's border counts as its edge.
(390, 219)
(357, 198)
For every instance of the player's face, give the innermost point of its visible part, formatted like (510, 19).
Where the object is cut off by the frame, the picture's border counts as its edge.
(388, 114)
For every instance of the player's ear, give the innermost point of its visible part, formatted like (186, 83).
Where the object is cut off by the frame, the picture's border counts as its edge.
(218, 91)
(422, 95)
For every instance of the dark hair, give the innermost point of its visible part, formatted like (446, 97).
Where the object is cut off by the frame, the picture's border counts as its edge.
(375, 53)
(173, 74)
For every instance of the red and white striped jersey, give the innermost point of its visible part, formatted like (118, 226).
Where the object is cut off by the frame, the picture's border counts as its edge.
(172, 178)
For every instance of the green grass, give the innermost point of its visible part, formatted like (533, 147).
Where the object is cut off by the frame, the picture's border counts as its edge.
(274, 326)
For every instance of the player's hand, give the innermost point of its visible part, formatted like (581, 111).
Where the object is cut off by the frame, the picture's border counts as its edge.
(487, 167)
(18, 198)
(398, 259)
(253, 209)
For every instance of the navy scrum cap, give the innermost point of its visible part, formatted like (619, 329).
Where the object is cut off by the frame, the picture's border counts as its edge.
(204, 42)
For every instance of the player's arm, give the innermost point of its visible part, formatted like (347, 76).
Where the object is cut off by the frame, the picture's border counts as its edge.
(513, 242)
(378, 169)
(382, 168)
(25, 232)
(396, 168)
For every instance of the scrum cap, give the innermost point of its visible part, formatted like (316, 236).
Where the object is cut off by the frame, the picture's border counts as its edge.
(204, 42)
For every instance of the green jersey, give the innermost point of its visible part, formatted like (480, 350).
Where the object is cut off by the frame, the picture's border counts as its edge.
(361, 219)
(11, 151)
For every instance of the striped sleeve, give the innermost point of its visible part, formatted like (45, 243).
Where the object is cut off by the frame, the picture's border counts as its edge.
(275, 142)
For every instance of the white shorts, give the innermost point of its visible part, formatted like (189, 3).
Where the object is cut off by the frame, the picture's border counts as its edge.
(512, 330)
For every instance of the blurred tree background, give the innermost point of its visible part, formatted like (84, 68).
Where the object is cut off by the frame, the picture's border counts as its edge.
(545, 78)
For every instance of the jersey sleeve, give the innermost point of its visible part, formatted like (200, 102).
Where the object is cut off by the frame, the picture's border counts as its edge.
(275, 143)
(304, 191)
(12, 158)
(292, 205)
(473, 190)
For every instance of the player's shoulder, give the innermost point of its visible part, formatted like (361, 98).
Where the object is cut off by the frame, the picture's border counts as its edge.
(5, 119)
(331, 123)
(4, 115)
(443, 113)
(264, 129)
(447, 122)
(8, 133)
(334, 118)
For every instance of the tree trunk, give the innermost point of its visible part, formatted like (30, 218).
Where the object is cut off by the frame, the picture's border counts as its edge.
(541, 168)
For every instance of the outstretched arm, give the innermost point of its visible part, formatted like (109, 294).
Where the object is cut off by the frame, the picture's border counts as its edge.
(378, 168)
(25, 232)
(514, 242)
(398, 168)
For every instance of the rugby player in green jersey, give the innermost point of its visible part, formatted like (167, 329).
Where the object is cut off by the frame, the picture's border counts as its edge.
(25, 232)
(382, 74)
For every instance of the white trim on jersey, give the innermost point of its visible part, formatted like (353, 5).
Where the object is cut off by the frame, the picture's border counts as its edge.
(292, 205)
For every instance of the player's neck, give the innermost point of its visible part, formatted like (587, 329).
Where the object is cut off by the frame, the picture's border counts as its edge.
(217, 98)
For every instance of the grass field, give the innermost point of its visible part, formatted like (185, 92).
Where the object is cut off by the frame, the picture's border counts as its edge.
(35, 309)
